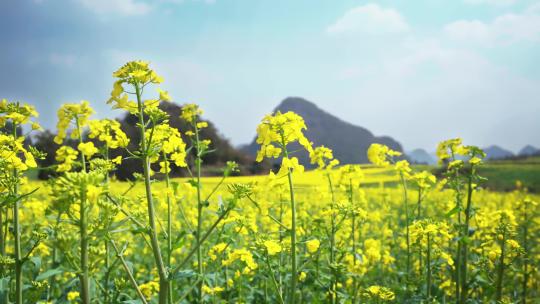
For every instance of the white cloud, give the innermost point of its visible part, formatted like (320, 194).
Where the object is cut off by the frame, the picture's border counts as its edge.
(181, 74)
(491, 2)
(65, 60)
(123, 7)
(473, 30)
(534, 9)
(454, 91)
(191, 78)
(505, 29)
(369, 19)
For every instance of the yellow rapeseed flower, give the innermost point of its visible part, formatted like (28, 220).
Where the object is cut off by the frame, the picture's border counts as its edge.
(313, 245)
(379, 154)
(87, 149)
(276, 131)
(73, 295)
(272, 247)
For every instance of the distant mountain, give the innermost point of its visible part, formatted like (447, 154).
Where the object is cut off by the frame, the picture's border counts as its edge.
(496, 152)
(349, 142)
(421, 156)
(529, 150)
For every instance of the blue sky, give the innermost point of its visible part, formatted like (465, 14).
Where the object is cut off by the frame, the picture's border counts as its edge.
(420, 71)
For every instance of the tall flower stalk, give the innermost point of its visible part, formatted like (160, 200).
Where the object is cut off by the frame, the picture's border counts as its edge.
(275, 133)
(475, 159)
(381, 155)
(324, 159)
(508, 249)
(168, 190)
(429, 236)
(17, 233)
(407, 232)
(448, 151)
(294, 271)
(191, 114)
(424, 181)
(168, 142)
(527, 217)
(501, 265)
(15, 160)
(356, 213)
(108, 133)
(138, 76)
(77, 115)
(145, 162)
(83, 228)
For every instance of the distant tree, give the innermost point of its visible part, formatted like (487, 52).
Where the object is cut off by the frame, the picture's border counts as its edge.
(224, 151)
(8, 129)
(44, 141)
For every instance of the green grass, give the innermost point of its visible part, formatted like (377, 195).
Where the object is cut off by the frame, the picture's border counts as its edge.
(502, 175)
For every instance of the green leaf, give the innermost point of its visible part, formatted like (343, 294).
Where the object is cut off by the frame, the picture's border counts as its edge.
(452, 212)
(184, 274)
(4, 286)
(49, 273)
(36, 261)
(175, 186)
(193, 183)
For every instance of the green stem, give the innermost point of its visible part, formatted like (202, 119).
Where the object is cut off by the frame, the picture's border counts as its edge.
(274, 281)
(4, 297)
(2, 241)
(79, 131)
(353, 236)
(200, 270)
(107, 258)
(130, 275)
(17, 233)
(83, 230)
(459, 243)
(406, 203)
(526, 255)
(500, 272)
(206, 235)
(83, 226)
(169, 225)
(418, 215)
(106, 278)
(333, 293)
(107, 255)
(419, 204)
(465, 235)
(281, 238)
(294, 275)
(428, 265)
(55, 263)
(162, 272)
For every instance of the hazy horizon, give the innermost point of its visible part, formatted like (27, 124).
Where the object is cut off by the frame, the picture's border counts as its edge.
(419, 72)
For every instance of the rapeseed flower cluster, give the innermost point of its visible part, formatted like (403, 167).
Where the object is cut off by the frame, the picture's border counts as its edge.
(277, 131)
(78, 114)
(381, 155)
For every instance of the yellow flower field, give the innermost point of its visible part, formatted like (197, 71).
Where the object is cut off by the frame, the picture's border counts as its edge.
(341, 233)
